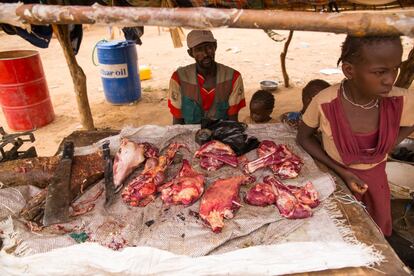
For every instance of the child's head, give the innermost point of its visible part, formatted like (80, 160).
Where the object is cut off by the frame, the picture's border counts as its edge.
(311, 90)
(371, 63)
(261, 106)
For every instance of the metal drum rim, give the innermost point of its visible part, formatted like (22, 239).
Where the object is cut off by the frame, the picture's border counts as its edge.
(23, 54)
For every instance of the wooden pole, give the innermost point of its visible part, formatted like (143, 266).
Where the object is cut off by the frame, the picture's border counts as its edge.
(78, 77)
(406, 76)
(358, 23)
(283, 59)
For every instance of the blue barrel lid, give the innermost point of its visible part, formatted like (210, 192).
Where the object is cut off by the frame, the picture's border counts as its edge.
(114, 44)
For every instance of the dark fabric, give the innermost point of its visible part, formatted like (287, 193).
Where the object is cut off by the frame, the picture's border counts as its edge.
(403, 248)
(75, 35)
(133, 34)
(332, 5)
(231, 133)
(344, 138)
(40, 36)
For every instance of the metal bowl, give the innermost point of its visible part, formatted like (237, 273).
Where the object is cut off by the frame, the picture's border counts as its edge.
(407, 143)
(268, 85)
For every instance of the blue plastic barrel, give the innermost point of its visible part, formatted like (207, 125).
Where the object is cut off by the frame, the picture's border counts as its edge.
(118, 64)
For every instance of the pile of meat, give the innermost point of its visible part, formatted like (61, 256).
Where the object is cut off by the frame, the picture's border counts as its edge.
(222, 198)
(293, 202)
(218, 202)
(283, 162)
(186, 188)
(214, 155)
(143, 188)
(279, 158)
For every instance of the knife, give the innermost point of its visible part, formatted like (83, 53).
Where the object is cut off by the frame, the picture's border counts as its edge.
(109, 175)
(58, 196)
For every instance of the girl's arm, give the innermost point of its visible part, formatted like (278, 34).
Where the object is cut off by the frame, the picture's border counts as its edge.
(308, 141)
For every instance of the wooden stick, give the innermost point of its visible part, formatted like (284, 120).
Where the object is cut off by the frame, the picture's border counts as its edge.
(177, 33)
(283, 59)
(358, 23)
(406, 76)
(78, 77)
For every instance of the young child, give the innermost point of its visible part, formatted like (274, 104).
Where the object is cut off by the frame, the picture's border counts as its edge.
(361, 120)
(308, 92)
(261, 107)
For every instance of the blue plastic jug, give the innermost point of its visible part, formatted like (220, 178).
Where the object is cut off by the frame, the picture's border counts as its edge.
(118, 64)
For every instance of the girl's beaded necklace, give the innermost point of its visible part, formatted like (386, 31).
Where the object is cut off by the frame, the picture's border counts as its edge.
(370, 105)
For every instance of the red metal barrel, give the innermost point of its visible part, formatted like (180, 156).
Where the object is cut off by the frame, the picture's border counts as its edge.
(24, 96)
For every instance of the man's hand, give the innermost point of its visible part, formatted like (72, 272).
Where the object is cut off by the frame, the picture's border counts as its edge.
(354, 183)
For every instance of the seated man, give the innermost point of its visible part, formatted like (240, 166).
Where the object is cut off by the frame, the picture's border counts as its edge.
(206, 89)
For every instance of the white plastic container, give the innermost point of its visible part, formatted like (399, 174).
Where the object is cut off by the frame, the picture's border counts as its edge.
(400, 179)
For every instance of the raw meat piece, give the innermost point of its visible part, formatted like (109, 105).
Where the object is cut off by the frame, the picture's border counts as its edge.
(242, 160)
(210, 164)
(129, 156)
(288, 205)
(306, 195)
(186, 188)
(260, 194)
(287, 170)
(221, 199)
(269, 154)
(279, 158)
(215, 154)
(141, 190)
(266, 147)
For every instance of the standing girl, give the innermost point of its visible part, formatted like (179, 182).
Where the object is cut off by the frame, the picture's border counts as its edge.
(361, 120)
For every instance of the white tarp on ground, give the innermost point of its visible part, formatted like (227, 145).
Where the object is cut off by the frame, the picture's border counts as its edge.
(277, 259)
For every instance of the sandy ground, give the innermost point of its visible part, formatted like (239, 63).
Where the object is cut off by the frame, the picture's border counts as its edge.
(249, 51)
